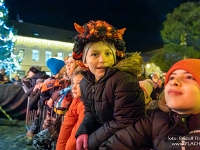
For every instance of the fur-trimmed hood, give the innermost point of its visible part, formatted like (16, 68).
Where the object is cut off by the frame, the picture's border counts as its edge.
(131, 64)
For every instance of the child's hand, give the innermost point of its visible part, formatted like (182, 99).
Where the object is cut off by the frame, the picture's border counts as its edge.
(82, 142)
(35, 88)
(55, 95)
(50, 103)
(38, 86)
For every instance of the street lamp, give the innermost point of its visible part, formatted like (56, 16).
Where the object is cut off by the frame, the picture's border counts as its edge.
(146, 66)
(183, 39)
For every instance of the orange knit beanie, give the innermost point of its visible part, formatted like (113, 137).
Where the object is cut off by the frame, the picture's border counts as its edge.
(190, 65)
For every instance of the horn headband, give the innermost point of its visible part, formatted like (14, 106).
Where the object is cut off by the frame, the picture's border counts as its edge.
(95, 31)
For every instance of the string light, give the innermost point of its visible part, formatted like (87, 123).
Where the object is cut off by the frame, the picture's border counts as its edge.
(44, 42)
(8, 60)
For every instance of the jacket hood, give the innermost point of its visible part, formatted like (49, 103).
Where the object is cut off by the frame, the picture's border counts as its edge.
(132, 64)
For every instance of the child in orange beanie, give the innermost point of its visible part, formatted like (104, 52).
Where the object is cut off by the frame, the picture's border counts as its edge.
(175, 124)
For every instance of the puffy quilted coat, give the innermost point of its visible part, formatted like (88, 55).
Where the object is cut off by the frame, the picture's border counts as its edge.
(112, 103)
(159, 131)
(73, 118)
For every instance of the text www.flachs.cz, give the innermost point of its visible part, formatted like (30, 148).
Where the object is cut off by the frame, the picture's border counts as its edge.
(187, 144)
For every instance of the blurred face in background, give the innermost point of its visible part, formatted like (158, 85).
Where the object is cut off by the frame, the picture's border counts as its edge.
(163, 76)
(5, 78)
(155, 77)
(160, 82)
(16, 78)
(2, 71)
(70, 65)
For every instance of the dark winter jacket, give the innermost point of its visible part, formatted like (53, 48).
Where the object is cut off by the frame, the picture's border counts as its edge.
(33, 80)
(159, 131)
(34, 98)
(112, 103)
(1, 76)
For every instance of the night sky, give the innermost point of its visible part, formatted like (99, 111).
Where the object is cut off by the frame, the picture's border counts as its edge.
(142, 18)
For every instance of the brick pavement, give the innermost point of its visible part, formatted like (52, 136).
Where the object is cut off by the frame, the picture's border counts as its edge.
(11, 136)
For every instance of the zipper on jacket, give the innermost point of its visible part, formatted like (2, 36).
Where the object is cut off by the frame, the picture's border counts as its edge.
(93, 104)
(93, 90)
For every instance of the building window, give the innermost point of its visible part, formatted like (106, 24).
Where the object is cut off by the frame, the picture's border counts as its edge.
(60, 55)
(21, 73)
(35, 55)
(48, 55)
(21, 53)
(48, 73)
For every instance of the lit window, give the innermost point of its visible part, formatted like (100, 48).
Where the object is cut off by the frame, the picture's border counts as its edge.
(35, 55)
(48, 73)
(48, 55)
(21, 53)
(60, 55)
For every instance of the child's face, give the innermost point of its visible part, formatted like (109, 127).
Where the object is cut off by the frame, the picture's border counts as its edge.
(5, 78)
(99, 56)
(182, 93)
(2, 71)
(155, 76)
(75, 85)
(70, 66)
(159, 82)
(16, 78)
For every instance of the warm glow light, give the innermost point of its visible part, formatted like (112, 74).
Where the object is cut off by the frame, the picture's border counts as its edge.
(1, 14)
(148, 65)
(36, 41)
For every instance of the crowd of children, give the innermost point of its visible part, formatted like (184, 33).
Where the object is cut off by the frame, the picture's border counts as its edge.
(95, 100)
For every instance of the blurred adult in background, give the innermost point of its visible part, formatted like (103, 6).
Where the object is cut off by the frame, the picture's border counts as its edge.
(159, 88)
(6, 80)
(155, 78)
(163, 76)
(2, 73)
(17, 80)
(29, 83)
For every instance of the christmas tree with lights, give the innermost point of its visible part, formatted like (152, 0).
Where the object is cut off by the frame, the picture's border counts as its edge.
(8, 60)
